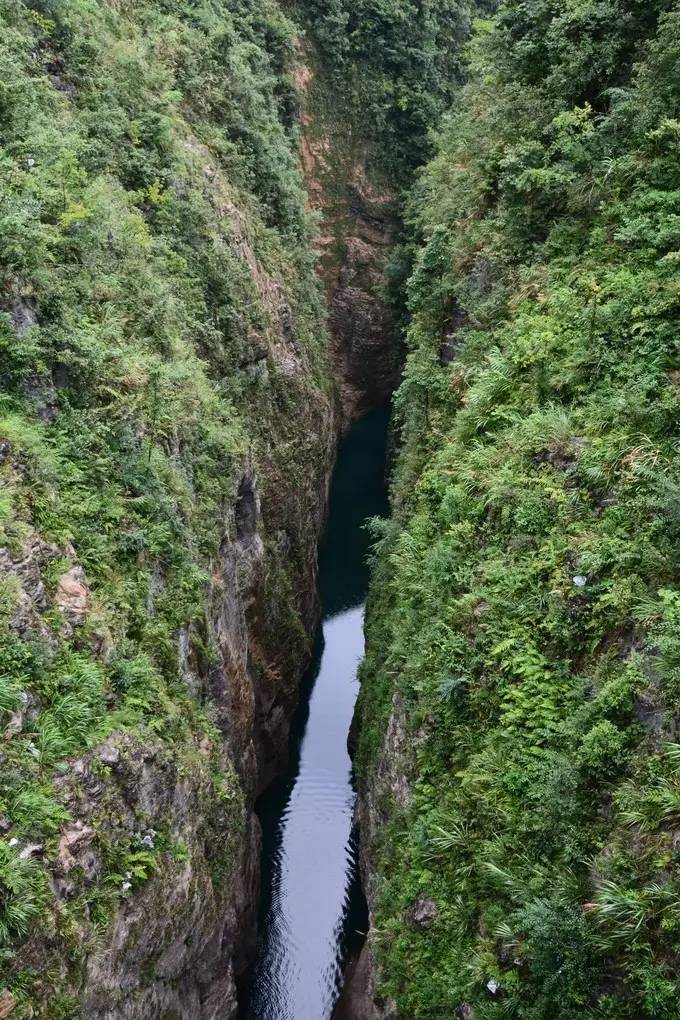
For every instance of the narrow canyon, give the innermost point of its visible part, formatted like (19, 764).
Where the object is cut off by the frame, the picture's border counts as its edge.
(339, 528)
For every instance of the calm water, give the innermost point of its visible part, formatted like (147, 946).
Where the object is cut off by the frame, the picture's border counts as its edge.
(312, 905)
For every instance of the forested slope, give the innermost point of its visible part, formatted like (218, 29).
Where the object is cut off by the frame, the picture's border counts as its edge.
(519, 748)
(166, 431)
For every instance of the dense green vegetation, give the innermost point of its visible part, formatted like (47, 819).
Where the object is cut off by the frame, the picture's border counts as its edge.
(159, 319)
(524, 621)
(161, 332)
(396, 63)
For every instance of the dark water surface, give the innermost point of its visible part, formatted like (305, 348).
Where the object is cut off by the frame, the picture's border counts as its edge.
(312, 904)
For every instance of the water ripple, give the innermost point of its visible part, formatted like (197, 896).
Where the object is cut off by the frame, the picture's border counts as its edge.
(300, 970)
(310, 869)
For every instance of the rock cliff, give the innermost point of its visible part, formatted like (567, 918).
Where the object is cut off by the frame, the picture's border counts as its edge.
(360, 222)
(166, 437)
(518, 740)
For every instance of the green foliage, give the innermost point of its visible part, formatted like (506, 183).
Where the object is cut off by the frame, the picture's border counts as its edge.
(34, 811)
(159, 317)
(524, 616)
(397, 63)
(73, 699)
(23, 888)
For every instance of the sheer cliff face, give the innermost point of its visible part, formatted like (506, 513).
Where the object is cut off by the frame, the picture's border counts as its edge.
(166, 434)
(359, 215)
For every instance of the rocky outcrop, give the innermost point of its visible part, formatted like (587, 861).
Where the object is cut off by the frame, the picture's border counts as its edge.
(364, 334)
(183, 893)
(179, 941)
(360, 223)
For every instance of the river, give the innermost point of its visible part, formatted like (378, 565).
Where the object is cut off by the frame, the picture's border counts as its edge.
(312, 906)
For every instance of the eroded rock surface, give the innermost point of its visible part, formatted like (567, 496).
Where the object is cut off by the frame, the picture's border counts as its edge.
(360, 223)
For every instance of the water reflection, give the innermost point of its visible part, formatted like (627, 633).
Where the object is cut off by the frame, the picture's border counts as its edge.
(312, 903)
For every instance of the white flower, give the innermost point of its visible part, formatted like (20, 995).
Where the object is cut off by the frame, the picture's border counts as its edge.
(13, 841)
(492, 986)
(580, 581)
(127, 886)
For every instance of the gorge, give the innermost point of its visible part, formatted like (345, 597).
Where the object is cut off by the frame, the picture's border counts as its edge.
(231, 233)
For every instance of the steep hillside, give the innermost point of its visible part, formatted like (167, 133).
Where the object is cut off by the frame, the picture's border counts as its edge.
(376, 77)
(519, 745)
(166, 433)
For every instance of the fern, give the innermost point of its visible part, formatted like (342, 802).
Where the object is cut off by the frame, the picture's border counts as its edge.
(23, 890)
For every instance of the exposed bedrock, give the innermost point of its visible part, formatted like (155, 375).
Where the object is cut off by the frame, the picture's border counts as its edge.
(184, 928)
(360, 222)
(364, 336)
(391, 784)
